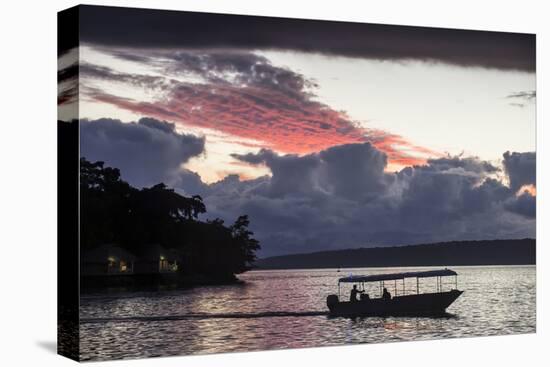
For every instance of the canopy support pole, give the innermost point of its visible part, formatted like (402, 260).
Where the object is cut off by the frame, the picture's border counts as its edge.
(416, 285)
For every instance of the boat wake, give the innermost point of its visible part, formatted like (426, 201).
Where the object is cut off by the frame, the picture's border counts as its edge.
(195, 316)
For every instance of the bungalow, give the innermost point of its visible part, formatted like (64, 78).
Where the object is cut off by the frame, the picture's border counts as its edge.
(156, 259)
(107, 259)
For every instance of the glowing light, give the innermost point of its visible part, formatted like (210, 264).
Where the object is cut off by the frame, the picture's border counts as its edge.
(529, 189)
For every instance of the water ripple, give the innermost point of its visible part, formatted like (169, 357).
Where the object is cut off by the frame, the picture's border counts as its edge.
(286, 309)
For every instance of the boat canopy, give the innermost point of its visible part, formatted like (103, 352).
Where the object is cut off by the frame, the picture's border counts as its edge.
(393, 276)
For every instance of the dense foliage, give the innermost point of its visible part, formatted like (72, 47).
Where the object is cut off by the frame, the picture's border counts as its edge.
(112, 211)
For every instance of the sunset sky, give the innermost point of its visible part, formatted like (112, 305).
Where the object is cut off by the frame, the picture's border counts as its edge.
(329, 135)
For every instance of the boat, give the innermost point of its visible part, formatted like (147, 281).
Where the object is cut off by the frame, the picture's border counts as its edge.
(404, 301)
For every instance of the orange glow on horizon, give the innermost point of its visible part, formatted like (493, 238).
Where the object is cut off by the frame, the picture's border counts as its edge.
(529, 189)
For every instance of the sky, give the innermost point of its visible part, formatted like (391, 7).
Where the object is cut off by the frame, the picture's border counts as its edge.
(327, 134)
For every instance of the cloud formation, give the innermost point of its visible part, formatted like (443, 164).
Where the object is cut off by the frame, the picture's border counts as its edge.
(351, 171)
(342, 197)
(148, 151)
(337, 198)
(525, 204)
(147, 28)
(520, 169)
(243, 95)
(328, 185)
(67, 77)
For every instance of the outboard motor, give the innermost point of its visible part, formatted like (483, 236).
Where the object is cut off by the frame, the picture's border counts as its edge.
(332, 300)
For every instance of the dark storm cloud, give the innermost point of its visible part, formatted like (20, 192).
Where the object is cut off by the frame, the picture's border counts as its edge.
(342, 197)
(216, 67)
(337, 198)
(456, 164)
(524, 204)
(352, 171)
(147, 152)
(145, 28)
(439, 197)
(520, 169)
(292, 174)
(247, 68)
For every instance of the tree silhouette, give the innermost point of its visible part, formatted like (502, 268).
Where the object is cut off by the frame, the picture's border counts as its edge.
(194, 207)
(245, 242)
(112, 211)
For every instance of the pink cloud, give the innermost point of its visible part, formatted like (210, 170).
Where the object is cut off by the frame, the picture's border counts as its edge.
(282, 123)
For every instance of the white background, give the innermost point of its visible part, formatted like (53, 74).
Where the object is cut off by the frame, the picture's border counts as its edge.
(28, 182)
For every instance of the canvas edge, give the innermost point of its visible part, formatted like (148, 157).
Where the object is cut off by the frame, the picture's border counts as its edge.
(68, 218)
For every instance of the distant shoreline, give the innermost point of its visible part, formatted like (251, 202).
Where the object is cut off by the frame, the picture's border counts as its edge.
(455, 253)
(344, 269)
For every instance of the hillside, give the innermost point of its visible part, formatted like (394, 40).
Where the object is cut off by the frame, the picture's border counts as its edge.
(491, 252)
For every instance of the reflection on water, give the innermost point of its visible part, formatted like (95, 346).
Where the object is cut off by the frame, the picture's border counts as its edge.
(496, 301)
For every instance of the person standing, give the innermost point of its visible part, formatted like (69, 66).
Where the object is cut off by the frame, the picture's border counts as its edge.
(353, 293)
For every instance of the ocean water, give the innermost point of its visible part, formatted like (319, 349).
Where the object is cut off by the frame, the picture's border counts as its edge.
(286, 309)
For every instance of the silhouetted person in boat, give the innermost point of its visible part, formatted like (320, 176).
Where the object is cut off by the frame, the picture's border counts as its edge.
(353, 294)
(386, 295)
(364, 297)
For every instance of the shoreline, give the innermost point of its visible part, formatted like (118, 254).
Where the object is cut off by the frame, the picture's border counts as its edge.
(151, 282)
(343, 268)
(453, 253)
